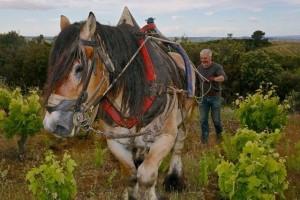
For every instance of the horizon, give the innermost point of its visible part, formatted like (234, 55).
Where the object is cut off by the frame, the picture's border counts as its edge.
(174, 18)
(272, 36)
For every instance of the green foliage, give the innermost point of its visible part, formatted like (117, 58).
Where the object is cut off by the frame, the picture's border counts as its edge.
(258, 35)
(5, 97)
(100, 154)
(111, 177)
(257, 67)
(22, 113)
(293, 160)
(258, 173)
(293, 99)
(261, 111)
(207, 166)
(11, 39)
(164, 165)
(53, 179)
(233, 145)
(257, 40)
(23, 63)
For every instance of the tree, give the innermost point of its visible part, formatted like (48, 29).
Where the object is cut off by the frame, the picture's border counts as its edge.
(23, 64)
(229, 35)
(257, 67)
(258, 35)
(259, 40)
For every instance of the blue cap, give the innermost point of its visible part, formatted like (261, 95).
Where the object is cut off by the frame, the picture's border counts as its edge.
(150, 20)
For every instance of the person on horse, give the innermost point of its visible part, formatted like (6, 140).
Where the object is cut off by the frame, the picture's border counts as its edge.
(214, 76)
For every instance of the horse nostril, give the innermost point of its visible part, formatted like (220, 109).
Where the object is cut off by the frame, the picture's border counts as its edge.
(61, 130)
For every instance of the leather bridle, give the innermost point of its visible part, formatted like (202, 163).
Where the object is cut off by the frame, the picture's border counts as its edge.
(75, 105)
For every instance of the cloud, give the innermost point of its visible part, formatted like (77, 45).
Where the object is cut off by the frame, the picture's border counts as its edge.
(155, 6)
(173, 8)
(209, 13)
(253, 19)
(26, 4)
(214, 30)
(176, 17)
(30, 20)
(170, 29)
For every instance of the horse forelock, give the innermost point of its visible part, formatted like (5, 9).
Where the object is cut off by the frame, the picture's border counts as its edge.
(62, 56)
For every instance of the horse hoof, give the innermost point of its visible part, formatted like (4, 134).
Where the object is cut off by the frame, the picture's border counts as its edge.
(131, 198)
(173, 182)
(161, 197)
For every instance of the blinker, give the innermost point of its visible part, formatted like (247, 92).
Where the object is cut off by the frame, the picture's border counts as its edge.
(63, 105)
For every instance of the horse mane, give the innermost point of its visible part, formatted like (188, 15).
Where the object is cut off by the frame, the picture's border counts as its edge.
(121, 44)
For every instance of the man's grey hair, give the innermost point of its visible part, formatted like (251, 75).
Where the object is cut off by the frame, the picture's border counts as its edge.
(206, 52)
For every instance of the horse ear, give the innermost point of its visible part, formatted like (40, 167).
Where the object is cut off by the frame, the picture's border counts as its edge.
(127, 18)
(64, 22)
(89, 28)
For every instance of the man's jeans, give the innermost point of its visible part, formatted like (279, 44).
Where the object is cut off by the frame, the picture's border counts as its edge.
(212, 103)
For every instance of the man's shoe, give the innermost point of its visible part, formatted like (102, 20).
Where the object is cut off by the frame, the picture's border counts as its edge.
(219, 138)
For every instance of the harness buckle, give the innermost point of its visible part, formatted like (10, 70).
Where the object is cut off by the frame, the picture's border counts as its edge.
(80, 120)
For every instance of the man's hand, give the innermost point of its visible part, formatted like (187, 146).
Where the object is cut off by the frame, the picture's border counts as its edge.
(212, 78)
(217, 78)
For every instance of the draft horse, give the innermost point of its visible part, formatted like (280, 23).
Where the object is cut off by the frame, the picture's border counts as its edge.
(143, 106)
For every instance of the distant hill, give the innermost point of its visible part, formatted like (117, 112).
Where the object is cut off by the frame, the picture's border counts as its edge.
(291, 38)
(284, 48)
(48, 39)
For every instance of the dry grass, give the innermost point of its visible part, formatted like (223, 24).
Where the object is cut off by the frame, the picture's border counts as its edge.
(284, 48)
(106, 182)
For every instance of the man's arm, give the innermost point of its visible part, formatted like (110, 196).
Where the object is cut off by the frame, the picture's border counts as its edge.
(218, 78)
(220, 75)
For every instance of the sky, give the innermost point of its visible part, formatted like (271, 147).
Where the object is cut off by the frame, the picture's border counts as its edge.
(190, 18)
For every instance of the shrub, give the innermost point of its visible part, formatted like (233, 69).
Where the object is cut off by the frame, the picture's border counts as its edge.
(19, 115)
(257, 66)
(259, 173)
(207, 166)
(5, 97)
(262, 111)
(233, 145)
(53, 179)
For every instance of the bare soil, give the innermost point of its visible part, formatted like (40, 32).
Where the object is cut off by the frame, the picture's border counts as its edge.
(106, 182)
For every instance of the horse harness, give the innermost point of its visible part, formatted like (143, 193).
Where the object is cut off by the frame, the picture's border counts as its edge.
(80, 107)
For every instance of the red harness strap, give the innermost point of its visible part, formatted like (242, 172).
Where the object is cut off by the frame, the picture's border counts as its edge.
(148, 101)
(148, 65)
(120, 120)
(148, 27)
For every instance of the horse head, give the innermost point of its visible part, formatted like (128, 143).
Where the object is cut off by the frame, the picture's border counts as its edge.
(77, 73)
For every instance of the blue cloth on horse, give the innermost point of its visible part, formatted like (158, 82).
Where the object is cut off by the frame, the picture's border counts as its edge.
(188, 69)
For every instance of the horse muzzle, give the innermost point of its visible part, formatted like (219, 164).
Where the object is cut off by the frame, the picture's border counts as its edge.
(60, 123)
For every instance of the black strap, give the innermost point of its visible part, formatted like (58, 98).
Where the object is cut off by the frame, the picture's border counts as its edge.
(91, 43)
(83, 95)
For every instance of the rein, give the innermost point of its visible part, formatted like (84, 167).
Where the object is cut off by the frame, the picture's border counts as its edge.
(80, 107)
(80, 118)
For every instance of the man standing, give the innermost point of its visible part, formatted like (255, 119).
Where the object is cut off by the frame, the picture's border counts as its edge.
(210, 85)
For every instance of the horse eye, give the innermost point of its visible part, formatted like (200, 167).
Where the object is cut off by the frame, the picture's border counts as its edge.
(78, 69)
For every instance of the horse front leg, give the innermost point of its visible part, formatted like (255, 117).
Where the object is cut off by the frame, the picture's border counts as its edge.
(148, 171)
(175, 179)
(125, 157)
